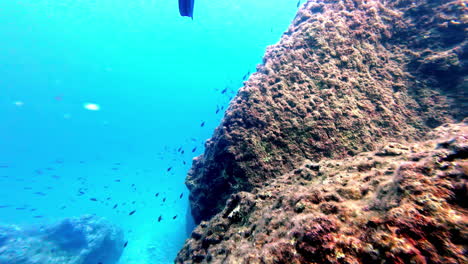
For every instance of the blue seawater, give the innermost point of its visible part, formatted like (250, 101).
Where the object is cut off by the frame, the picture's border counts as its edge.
(97, 97)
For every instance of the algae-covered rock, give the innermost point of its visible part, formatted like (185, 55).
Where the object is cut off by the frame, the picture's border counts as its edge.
(345, 77)
(408, 208)
(333, 151)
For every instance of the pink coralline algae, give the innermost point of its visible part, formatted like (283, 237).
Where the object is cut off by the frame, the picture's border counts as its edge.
(347, 145)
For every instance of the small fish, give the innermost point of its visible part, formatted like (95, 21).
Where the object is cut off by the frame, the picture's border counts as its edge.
(181, 195)
(4, 206)
(118, 180)
(179, 149)
(132, 212)
(174, 217)
(164, 199)
(4, 166)
(38, 216)
(125, 245)
(40, 193)
(169, 169)
(194, 149)
(202, 124)
(93, 199)
(159, 218)
(298, 3)
(184, 162)
(217, 111)
(182, 152)
(20, 208)
(115, 206)
(157, 194)
(114, 169)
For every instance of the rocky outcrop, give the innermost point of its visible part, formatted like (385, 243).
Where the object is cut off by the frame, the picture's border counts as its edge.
(403, 203)
(333, 151)
(347, 76)
(85, 240)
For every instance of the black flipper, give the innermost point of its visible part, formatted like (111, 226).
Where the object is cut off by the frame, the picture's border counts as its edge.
(186, 8)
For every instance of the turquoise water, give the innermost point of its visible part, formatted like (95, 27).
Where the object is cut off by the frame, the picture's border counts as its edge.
(155, 76)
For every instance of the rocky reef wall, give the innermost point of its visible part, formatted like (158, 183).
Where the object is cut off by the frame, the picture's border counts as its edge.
(346, 77)
(344, 146)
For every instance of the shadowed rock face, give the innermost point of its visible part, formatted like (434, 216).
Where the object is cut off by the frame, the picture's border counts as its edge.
(346, 77)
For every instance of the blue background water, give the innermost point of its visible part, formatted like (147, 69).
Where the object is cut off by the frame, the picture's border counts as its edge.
(156, 76)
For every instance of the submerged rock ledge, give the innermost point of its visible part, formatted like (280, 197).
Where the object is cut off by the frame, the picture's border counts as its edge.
(296, 171)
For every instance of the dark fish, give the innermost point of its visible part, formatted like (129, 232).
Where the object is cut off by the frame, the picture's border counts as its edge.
(63, 207)
(179, 149)
(126, 243)
(181, 195)
(184, 162)
(224, 91)
(194, 149)
(159, 218)
(174, 217)
(115, 168)
(169, 169)
(298, 3)
(202, 124)
(93, 199)
(182, 152)
(157, 194)
(217, 110)
(186, 8)
(38, 216)
(4, 166)
(4, 206)
(133, 202)
(164, 199)
(132, 212)
(40, 193)
(20, 208)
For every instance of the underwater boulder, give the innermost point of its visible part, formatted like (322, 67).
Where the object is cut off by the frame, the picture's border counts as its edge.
(82, 240)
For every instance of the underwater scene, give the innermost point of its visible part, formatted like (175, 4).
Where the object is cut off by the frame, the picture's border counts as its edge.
(103, 106)
(260, 132)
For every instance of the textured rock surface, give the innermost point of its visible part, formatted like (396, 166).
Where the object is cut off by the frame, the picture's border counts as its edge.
(333, 151)
(85, 240)
(347, 76)
(403, 203)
